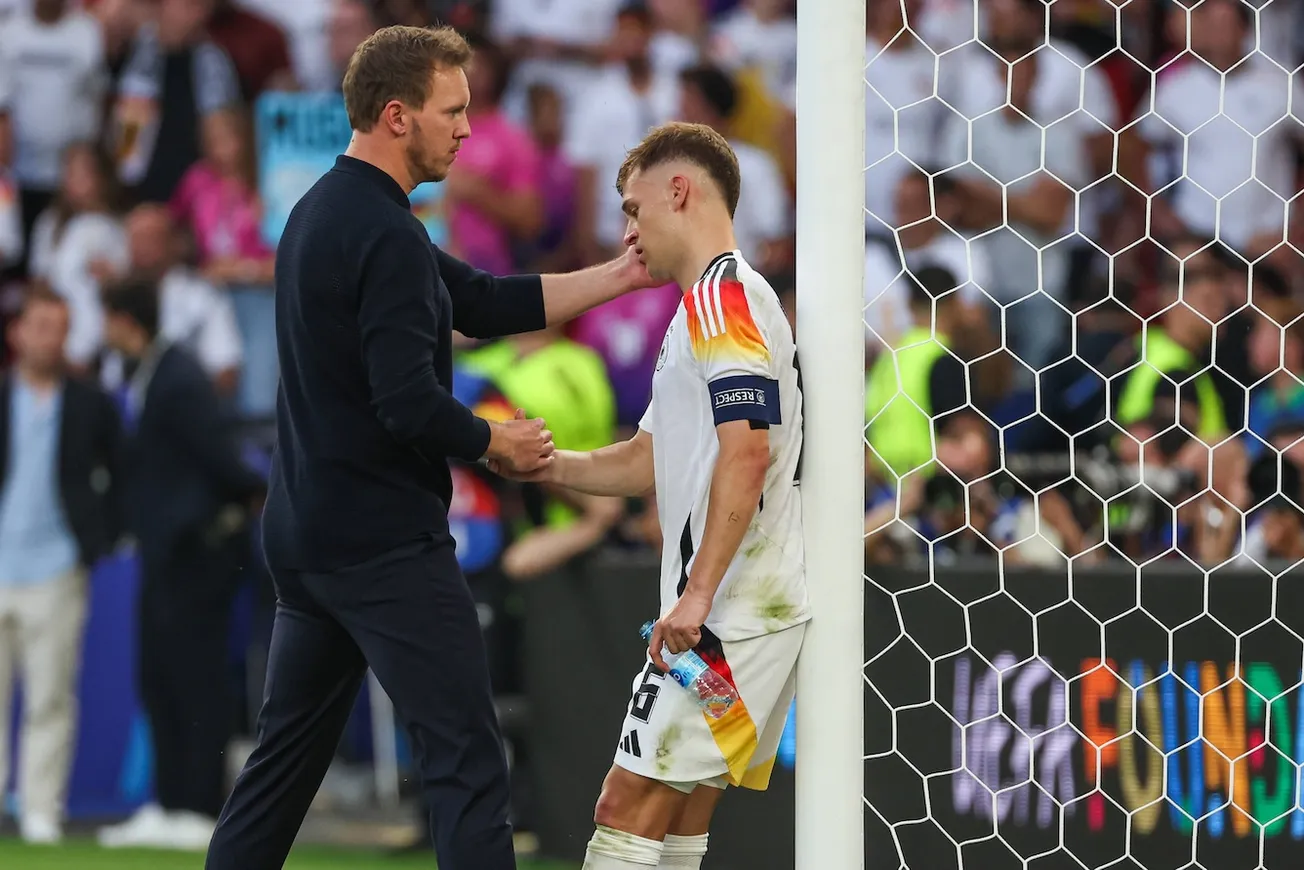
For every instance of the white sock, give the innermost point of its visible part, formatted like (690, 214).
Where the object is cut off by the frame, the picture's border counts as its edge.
(616, 850)
(683, 853)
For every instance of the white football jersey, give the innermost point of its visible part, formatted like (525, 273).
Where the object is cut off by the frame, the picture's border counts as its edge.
(729, 355)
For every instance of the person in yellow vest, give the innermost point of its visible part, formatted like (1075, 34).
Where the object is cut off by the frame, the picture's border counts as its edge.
(547, 375)
(1176, 351)
(1174, 371)
(913, 390)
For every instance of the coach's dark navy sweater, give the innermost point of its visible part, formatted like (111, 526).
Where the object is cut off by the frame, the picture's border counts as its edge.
(365, 308)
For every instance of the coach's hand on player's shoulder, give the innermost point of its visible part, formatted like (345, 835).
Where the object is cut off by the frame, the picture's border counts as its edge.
(519, 447)
(681, 628)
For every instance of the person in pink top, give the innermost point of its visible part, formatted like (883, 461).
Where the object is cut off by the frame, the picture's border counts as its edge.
(217, 200)
(493, 198)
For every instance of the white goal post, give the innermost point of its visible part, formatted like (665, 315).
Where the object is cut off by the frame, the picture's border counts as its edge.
(830, 814)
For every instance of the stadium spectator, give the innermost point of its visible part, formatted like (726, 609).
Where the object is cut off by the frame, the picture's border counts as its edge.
(1219, 128)
(627, 334)
(218, 201)
(1037, 144)
(1275, 530)
(57, 435)
(53, 55)
(187, 495)
(560, 43)
(119, 22)
(350, 22)
(1277, 359)
(566, 384)
(192, 312)
(911, 391)
(1162, 453)
(904, 115)
(763, 221)
(308, 27)
(256, 45)
(174, 77)
(927, 207)
(1175, 350)
(944, 515)
(11, 223)
(679, 34)
(627, 99)
(409, 13)
(759, 35)
(555, 249)
(79, 241)
(493, 198)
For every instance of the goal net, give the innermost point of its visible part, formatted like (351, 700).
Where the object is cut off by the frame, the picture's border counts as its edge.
(1083, 422)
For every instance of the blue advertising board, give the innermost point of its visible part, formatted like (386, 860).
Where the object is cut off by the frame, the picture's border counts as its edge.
(299, 137)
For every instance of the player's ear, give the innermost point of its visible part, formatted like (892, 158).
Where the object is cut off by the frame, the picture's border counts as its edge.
(678, 192)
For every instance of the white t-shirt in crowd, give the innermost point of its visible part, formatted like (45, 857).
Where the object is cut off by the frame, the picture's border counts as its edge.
(741, 40)
(1012, 150)
(764, 211)
(305, 23)
(887, 295)
(946, 24)
(903, 121)
(66, 265)
(728, 355)
(570, 22)
(197, 316)
(1067, 87)
(57, 76)
(672, 53)
(612, 118)
(1237, 145)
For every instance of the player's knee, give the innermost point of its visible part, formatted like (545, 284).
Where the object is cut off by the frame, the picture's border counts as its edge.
(615, 806)
(628, 802)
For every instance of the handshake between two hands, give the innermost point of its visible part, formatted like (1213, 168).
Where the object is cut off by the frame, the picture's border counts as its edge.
(520, 449)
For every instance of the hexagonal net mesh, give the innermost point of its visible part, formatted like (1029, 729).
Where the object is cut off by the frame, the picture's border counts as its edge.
(1084, 413)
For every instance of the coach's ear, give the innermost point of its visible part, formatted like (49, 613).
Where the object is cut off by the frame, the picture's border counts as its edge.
(392, 117)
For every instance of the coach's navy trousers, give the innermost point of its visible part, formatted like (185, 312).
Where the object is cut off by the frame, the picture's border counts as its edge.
(410, 616)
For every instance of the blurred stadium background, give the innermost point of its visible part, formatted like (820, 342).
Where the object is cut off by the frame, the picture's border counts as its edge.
(187, 129)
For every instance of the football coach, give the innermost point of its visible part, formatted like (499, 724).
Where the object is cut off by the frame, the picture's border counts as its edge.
(355, 527)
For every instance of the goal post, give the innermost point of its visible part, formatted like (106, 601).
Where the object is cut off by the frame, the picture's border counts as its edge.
(830, 301)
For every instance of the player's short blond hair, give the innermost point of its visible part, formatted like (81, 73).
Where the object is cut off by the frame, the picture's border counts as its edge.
(694, 143)
(396, 63)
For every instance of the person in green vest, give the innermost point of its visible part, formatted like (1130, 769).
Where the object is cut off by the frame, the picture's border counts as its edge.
(547, 375)
(914, 389)
(1176, 350)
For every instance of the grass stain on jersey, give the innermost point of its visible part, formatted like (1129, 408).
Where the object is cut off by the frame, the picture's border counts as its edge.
(666, 747)
(755, 549)
(777, 610)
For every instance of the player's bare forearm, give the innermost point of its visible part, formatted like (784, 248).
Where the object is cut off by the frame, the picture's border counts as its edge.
(623, 469)
(736, 487)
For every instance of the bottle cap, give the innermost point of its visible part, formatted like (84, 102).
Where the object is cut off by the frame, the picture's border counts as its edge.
(646, 631)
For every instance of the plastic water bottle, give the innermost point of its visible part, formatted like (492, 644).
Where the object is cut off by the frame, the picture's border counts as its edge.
(714, 693)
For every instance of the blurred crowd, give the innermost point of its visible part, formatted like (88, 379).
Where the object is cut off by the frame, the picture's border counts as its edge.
(1082, 287)
(1083, 281)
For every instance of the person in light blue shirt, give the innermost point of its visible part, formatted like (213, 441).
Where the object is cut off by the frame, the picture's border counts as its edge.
(58, 445)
